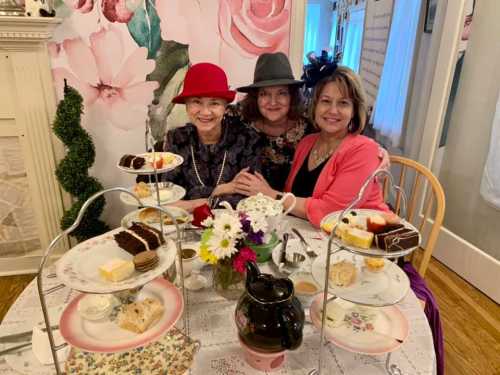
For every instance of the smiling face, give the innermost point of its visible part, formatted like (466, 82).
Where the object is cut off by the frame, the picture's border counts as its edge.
(206, 113)
(274, 103)
(334, 110)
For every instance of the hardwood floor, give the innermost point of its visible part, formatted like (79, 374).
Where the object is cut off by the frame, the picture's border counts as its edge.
(471, 321)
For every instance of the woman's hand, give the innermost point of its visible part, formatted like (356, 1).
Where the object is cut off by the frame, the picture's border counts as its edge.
(250, 184)
(383, 155)
(190, 205)
(222, 189)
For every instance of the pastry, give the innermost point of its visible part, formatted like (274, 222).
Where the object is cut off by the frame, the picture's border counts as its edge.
(142, 190)
(145, 261)
(116, 270)
(342, 273)
(375, 224)
(152, 216)
(380, 237)
(374, 264)
(139, 316)
(341, 228)
(405, 239)
(132, 161)
(356, 220)
(139, 237)
(357, 237)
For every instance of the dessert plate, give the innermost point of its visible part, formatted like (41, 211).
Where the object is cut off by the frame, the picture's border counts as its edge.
(78, 268)
(385, 287)
(105, 336)
(373, 251)
(168, 195)
(293, 246)
(167, 228)
(174, 161)
(361, 329)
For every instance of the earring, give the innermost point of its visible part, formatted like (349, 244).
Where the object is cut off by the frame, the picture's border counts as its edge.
(350, 127)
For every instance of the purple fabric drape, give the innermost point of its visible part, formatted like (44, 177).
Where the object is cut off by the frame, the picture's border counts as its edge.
(423, 293)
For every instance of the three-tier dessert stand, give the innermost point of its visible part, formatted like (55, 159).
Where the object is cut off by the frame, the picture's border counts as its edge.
(335, 245)
(170, 273)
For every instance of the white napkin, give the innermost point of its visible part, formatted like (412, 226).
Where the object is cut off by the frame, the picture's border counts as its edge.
(41, 346)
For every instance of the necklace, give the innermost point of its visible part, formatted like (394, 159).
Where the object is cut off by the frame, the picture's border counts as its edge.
(319, 157)
(195, 166)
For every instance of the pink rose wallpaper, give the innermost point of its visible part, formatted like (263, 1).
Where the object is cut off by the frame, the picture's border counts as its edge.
(128, 59)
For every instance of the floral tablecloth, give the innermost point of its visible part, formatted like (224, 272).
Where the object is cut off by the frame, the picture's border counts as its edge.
(210, 320)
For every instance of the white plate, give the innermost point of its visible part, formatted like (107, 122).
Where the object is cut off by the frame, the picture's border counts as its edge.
(148, 168)
(373, 250)
(176, 211)
(293, 246)
(366, 330)
(78, 268)
(168, 195)
(383, 288)
(105, 336)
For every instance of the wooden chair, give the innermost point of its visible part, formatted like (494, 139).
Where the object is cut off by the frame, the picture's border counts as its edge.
(420, 185)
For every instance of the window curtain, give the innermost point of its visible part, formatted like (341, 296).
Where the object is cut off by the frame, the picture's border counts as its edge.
(312, 27)
(393, 90)
(353, 39)
(333, 34)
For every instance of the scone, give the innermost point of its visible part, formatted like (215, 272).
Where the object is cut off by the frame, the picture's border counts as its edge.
(139, 316)
(343, 273)
(142, 190)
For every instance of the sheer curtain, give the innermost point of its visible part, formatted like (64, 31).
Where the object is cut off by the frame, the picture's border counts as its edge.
(393, 90)
(353, 39)
(312, 27)
(333, 34)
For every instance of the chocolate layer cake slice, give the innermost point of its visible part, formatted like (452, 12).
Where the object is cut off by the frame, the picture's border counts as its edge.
(380, 237)
(139, 237)
(401, 241)
(132, 161)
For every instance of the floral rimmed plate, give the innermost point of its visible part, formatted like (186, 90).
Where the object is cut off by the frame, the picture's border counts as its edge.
(79, 267)
(171, 161)
(167, 228)
(168, 195)
(105, 336)
(385, 287)
(173, 354)
(361, 329)
(373, 250)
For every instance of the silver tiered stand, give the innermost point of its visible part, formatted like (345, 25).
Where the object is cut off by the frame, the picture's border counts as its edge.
(391, 369)
(163, 211)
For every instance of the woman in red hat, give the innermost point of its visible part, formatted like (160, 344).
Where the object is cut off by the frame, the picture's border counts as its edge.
(215, 147)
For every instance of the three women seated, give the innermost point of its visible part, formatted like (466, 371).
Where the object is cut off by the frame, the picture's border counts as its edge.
(264, 143)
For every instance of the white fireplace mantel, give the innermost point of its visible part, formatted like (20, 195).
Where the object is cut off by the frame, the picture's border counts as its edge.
(29, 89)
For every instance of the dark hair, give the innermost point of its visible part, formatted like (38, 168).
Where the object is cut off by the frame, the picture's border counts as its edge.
(250, 108)
(350, 86)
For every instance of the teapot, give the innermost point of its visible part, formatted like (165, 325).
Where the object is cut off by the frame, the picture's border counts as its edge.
(268, 316)
(271, 209)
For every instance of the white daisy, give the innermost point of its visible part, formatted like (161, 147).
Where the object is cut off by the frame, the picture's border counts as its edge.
(228, 226)
(208, 222)
(258, 222)
(222, 246)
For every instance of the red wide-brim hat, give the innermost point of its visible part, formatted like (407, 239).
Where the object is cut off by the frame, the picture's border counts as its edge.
(205, 80)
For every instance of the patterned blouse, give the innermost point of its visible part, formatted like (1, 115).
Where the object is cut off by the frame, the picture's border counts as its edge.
(277, 151)
(239, 146)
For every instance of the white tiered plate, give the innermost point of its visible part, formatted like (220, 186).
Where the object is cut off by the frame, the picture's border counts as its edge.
(373, 251)
(383, 288)
(366, 330)
(105, 336)
(167, 228)
(148, 168)
(171, 194)
(78, 268)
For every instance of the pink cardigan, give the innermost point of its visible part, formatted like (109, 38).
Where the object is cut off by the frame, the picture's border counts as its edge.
(341, 178)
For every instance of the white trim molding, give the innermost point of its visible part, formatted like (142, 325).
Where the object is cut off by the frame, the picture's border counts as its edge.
(297, 30)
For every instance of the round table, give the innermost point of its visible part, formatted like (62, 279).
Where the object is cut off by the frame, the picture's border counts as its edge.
(210, 320)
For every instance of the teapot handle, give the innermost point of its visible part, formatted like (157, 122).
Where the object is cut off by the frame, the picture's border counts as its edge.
(226, 205)
(290, 339)
(284, 197)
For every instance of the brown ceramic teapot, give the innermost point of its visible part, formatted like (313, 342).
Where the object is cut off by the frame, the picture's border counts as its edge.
(268, 315)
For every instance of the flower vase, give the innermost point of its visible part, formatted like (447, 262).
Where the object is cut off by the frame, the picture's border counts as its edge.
(228, 282)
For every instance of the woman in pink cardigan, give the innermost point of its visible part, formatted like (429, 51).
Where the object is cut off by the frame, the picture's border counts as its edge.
(330, 166)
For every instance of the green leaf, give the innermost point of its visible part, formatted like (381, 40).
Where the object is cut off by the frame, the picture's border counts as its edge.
(144, 27)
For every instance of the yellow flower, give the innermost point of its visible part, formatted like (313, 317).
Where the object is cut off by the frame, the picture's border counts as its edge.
(207, 256)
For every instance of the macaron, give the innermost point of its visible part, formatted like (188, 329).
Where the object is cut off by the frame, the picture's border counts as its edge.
(146, 261)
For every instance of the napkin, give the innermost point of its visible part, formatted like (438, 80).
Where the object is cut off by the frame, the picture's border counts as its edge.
(41, 346)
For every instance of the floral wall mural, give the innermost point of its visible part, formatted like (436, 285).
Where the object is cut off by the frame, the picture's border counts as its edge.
(128, 59)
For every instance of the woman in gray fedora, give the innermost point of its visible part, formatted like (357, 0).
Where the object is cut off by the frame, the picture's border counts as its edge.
(274, 107)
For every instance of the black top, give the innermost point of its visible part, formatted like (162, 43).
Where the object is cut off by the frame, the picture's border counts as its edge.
(303, 185)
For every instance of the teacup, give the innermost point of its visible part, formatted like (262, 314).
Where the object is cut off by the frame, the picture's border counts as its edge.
(188, 256)
(305, 287)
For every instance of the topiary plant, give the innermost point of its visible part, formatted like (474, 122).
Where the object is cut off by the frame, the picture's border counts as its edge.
(72, 171)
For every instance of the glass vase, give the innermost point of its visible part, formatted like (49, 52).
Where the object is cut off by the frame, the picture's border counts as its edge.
(227, 282)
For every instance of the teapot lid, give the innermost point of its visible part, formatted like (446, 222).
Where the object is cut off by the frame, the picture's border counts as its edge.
(268, 289)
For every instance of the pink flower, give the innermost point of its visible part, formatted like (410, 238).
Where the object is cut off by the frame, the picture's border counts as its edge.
(255, 26)
(109, 81)
(244, 255)
(120, 10)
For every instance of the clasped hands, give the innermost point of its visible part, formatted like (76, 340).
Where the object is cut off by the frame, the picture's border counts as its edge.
(246, 183)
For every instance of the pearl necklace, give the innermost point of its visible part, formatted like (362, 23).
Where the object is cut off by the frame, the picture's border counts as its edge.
(195, 166)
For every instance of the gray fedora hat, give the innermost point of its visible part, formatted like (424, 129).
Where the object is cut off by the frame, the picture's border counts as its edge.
(271, 69)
